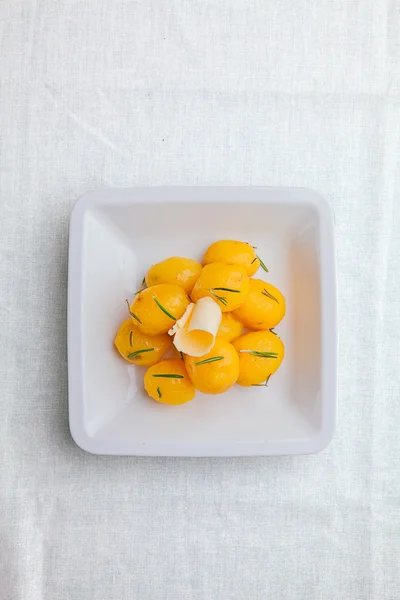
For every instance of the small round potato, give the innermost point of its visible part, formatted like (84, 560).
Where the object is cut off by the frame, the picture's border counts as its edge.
(168, 382)
(216, 371)
(175, 270)
(230, 328)
(228, 285)
(156, 309)
(232, 252)
(137, 347)
(260, 356)
(263, 308)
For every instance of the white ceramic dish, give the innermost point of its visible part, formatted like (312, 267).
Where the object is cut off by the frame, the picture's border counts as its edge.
(115, 235)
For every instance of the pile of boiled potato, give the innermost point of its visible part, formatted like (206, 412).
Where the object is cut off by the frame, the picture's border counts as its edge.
(199, 312)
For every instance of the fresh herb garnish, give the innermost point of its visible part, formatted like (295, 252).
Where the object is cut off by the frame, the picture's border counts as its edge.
(265, 384)
(133, 354)
(209, 360)
(133, 314)
(262, 265)
(272, 331)
(254, 260)
(160, 306)
(226, 290)
(143, 284)
(131, 338)
(159, 392)
(261, 354)
(266, 293)
(222, 299)
(168, 375)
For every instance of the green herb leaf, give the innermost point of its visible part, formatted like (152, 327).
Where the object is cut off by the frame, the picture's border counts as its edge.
(262, 265)
(159, 392)
(209, 360)
(265, 293)
(143, 281)
(261, 354)
(254, 260)
(133, 314)
(265, 384)
(272, 331)
(225, 290)
(133, 354)
(168, 375)
(161, 307)
(221, 299)
(131, 338)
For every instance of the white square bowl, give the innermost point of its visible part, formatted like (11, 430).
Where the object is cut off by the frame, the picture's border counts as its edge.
(115, 235)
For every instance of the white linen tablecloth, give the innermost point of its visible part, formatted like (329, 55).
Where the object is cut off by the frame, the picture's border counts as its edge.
(106, 93)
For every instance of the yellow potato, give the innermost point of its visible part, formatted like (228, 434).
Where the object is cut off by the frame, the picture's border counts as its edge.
(156, 309)
(230, 328)
(175, 270)
(139, 348)
(168, 382)
(228, 285)
(174, 353)
(216, 371)
(263, 308)
(260, 356)
(232, 252)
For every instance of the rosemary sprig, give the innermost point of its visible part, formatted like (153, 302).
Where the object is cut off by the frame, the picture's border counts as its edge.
(159, 392)
(168, 375)
(133, 354)
(143, 287)
(265, 293)
(222, 299)
(261, 354)
(160, 306)
(272, 331)
(209, 360)
(222, 289)
(262, 265)
(265, 384)
(254, 260)
(132, 314)
(131, 338)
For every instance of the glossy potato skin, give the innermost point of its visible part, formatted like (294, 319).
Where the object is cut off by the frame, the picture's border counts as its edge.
(220, 275)
(254, 370)
(232, 252)
(214, 377)
(149, 317)
(230, 328)
(175, 270)
(174, 391)
(260, 310)
(129, 339)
